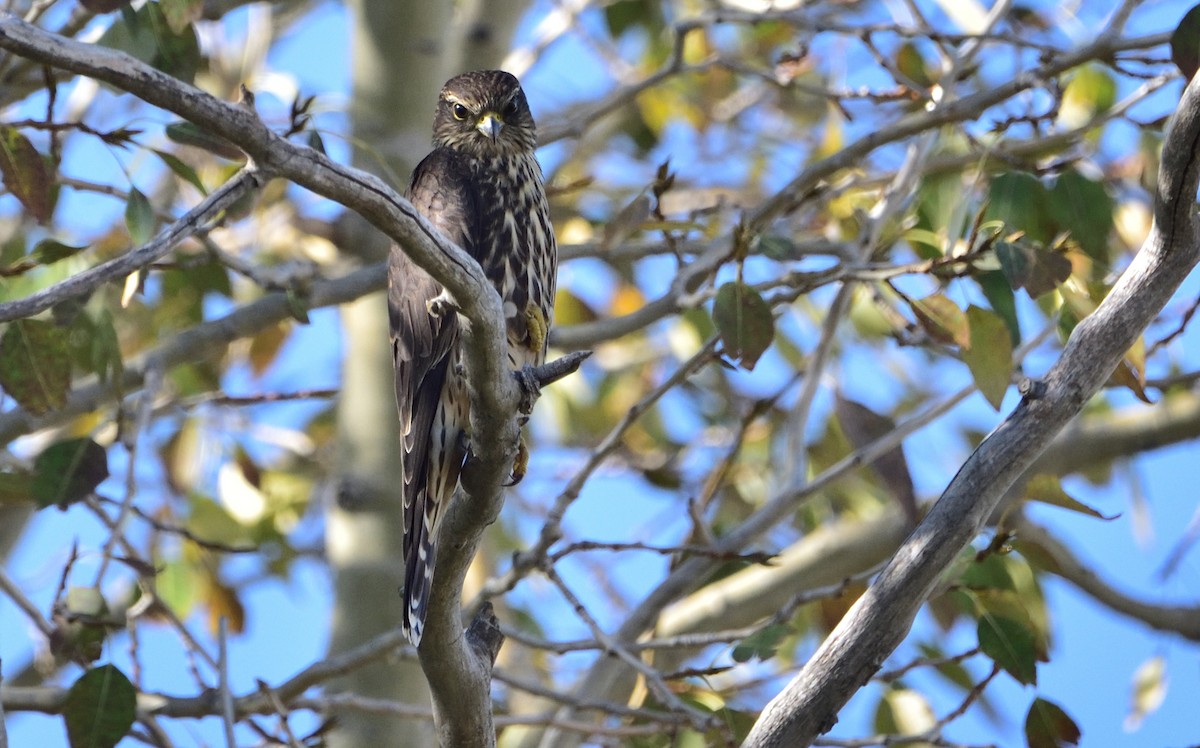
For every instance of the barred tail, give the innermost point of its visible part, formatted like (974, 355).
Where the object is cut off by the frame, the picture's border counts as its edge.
(420, 553)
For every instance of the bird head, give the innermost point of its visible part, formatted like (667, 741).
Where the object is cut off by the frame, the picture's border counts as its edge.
(484, 113)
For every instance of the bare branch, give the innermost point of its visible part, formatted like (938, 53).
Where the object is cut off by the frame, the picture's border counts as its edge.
(882, 617)
(202, 340)
(191, 223)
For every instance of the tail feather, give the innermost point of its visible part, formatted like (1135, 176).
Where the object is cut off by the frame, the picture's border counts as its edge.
(418, 580)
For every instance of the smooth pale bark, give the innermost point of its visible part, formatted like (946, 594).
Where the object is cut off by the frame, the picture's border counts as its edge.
(396, 70)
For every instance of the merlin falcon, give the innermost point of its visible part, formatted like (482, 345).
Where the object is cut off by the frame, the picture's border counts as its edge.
(482, 188)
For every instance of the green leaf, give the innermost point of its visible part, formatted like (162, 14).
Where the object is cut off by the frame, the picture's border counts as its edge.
(45, 252)
(953, 671)
(1020, 201)
(297, 306)
(50, 250)
(1085, 209)
(139, 217)
(776, 247)
(1048, 726)
(68, 471)
(942, 319)
(911, 63)
(179, 586)
(106, 362)
(989, 573)
(1000, 297)
(622, 15)
(35, 364)
(182, 170)
(1038, 271)
(1091, 91)
(1010, 645)
(314, 140)
(100, 708)
(1185, 43)
(760, 645)
(1048, 490)
(185, 133)
(862, 426)
(940, 206)
(180, 14)
(989, 357)
(24, 173)
(147, 35)
(927, 244)
(94, 344)
(744, 321)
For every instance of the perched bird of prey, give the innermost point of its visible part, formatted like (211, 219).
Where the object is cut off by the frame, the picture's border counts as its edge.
(481, 187)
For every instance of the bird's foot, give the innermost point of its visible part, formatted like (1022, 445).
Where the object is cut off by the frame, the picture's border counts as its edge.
(441, 305)
(520, 463)
(538, 326)
(530, 386)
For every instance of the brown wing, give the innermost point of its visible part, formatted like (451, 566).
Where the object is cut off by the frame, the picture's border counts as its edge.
(421, 344)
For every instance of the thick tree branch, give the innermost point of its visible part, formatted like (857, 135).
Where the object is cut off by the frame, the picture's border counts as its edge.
(880, 620)
(364, 193)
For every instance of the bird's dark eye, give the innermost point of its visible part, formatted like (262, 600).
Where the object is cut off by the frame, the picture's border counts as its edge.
(510, 109)
(460, 111)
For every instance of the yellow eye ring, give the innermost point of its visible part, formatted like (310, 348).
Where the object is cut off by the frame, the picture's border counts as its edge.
(460, 112)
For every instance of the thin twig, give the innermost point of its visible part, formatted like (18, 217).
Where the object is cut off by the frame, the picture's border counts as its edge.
(208, 210)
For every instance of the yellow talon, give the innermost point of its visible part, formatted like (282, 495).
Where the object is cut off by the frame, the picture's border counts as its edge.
(538, 327)
(520, 462)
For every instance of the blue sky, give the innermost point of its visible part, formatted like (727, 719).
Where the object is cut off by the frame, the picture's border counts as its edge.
(1095, 652)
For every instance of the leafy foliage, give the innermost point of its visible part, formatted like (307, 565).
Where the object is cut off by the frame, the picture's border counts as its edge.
(35, 364)
(100, 708)
(978, 227)
(745, 322)
(1048, 726)
(68, 471)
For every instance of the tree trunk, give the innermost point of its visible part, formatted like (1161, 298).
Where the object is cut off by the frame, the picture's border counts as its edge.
(397, 69)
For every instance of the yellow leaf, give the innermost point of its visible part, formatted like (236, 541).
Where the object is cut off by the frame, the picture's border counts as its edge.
(989, 356)
(833, 138)
(626, 300)
(1149, 691)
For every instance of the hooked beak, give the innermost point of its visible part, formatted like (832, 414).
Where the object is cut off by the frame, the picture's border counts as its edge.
(490, 125)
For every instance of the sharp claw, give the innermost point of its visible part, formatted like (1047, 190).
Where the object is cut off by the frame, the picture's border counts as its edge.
(520, 464)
